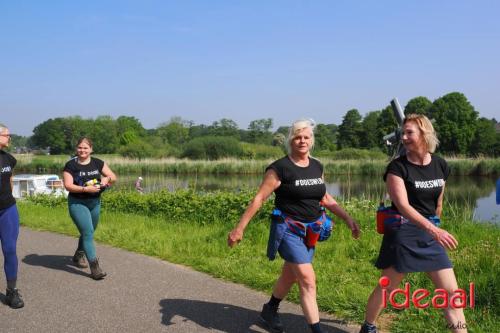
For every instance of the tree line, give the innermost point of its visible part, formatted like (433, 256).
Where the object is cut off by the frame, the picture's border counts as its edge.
(461, 131)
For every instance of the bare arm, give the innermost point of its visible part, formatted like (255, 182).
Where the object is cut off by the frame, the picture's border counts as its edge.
(109, 176)
(398, 194)
(331, 204)
(70, 187)
(267, 187)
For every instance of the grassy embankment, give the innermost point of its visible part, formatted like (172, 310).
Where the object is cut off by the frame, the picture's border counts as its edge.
(369, 164)
(191, 229)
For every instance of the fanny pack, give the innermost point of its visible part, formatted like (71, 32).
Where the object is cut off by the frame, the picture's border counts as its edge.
(389, 220)
(318, 230)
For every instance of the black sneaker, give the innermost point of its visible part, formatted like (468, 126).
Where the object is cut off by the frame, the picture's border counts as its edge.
(271, 318)
(13, 298)
(368, 328)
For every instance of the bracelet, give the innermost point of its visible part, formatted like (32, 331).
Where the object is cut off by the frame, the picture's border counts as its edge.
(83, 189)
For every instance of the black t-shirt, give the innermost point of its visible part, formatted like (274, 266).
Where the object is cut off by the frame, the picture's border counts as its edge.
(83, 173)
(7, 164)
(301, 188)
(423, 183)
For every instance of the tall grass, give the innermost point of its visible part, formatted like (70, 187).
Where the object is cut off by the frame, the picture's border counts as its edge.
(191, 229)
(333, 166)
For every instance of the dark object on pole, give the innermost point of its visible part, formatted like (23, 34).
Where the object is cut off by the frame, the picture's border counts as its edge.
(393, 140)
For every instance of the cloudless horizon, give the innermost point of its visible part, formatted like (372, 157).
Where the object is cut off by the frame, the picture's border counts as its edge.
(242, 60)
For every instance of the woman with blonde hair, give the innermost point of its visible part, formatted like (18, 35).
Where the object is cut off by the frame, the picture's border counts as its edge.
(415, 183)
(297, 180)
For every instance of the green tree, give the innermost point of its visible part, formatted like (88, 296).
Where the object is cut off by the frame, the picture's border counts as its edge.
(212, 148)
(485, 138)
(325, 137)
(129, 129)
(224, 127)
(386, 124)
(371, 137)
(455, 122)
(259, 131)
(138, 149)
(104, 135)
(350, 130)
(278, 139)
(175, 131)
(50, 134)
(418, 105)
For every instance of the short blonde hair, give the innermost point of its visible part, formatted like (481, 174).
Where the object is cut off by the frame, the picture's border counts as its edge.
(296, 127)
(426, 128)
(3, 128)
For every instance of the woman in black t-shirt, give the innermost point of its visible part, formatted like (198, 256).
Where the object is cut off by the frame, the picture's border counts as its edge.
(415, 183)
(85, 177)
(9, 221)
(297, 181)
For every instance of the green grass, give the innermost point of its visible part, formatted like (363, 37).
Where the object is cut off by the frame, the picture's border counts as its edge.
(344, 267)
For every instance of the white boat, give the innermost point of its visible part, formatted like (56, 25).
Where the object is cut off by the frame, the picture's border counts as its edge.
(29, 184)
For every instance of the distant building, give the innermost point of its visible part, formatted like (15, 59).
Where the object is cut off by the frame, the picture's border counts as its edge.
(497, 127)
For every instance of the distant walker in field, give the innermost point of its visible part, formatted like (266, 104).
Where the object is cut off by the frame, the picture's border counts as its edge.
(138, 185)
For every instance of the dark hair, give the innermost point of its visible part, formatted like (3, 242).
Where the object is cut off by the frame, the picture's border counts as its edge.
(84, 138)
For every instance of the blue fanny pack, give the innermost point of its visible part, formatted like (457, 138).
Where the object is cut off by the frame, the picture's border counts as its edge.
(389, 220)
(318, 230)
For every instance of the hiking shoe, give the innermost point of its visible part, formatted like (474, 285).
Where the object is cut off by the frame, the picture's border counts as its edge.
(368, 328)
(95, 271)
(271, 318)
(79, 259)
(13, 298)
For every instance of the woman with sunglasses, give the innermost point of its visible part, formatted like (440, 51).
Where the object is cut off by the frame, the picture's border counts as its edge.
(9, 221)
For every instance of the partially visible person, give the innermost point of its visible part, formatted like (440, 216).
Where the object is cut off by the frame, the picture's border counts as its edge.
(415, 183)
(138, 185)
(297, 180)
(9, 221)
(85, 177)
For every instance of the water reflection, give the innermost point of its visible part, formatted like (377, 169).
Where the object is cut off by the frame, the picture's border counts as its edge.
(477, 193)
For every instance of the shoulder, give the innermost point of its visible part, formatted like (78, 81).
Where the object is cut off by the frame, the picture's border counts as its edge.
(71, 164)
(97, 161)
(278, 166)
(441, 163)
(315, 161)
(279, 162)
(11, 159)
(397, 167)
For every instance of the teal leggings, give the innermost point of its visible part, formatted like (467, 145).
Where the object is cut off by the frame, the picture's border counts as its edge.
(85, 215)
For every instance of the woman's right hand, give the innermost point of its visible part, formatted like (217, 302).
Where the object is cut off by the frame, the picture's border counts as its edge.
(92, 189)
(234, 237)
(444, 238)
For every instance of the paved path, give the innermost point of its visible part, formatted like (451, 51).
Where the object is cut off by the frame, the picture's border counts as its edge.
(140, 294)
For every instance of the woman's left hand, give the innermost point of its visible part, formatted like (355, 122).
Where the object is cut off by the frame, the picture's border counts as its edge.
(105, 181)
(351, 223)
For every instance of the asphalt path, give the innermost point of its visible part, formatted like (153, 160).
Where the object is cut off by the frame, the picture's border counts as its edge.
(140, 294)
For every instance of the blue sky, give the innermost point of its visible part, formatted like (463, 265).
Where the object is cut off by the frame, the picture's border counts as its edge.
(243, 60)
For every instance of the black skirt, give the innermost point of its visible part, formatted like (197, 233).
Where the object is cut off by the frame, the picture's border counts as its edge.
(411, 249)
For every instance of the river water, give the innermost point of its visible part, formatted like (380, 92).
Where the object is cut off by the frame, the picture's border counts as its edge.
(476, 192)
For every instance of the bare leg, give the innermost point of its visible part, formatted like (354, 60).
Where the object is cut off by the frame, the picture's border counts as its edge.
(375, 302)
(445, 279)
(306, 278)
(285, 281)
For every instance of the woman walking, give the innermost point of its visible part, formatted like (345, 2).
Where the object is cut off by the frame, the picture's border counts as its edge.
(85, 177)
(9, 221)
(297, 181)
(415, 183)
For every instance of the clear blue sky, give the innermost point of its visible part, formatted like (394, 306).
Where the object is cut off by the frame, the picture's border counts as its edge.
(243, 60)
